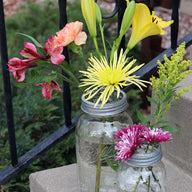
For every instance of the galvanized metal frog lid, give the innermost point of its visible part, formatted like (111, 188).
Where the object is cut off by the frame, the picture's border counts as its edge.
(110, 108)
(146, 159)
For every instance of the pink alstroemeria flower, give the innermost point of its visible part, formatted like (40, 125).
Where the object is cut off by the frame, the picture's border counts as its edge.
(71, 32)
(48, 88)
(18, 67)
(54, 52)
(128, 141)
(156, 135)
(30, 52)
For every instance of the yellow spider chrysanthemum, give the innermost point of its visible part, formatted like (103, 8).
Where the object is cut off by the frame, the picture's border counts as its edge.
(104, 78)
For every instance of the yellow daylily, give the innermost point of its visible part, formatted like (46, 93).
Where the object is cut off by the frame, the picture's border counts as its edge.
(144, 25)
(89, 14)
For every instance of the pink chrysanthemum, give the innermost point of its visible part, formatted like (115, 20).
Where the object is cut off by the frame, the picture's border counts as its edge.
(126, 130)
(128, 141)
(156, 135)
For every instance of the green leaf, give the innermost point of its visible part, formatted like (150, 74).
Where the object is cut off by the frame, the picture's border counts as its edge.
(164, 121)
(151, 100)
(32, 39)
(41, 63)
(34, 76)
(40, 48)
(169, 95)
(140, 116)
(49, 78)
(114, 167)
(148, 118)
(23, 85)
(69, 71)
(170, 129)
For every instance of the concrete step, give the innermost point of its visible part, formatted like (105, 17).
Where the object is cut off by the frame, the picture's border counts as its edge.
(64, 179)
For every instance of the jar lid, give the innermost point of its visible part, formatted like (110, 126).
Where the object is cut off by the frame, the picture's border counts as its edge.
(146, 159)
(110, 108)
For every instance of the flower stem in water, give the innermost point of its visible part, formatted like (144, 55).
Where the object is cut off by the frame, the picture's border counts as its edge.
(98, 170)
(137, 183)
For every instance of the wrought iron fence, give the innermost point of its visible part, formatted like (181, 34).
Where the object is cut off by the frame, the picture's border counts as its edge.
(18, 164)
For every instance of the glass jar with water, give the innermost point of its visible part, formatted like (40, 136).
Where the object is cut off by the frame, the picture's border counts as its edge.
(144, 172)
(97, 170)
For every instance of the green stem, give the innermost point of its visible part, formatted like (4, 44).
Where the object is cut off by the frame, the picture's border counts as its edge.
(137, 184)
(161, 104)
(158, 115)
(103, 40)
(83, 59)
(67, 79)
(98, 170)
(118, 41)
(149, 183)
(96, 45)
(126, 51)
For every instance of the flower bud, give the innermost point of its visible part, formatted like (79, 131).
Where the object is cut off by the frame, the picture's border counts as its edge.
(98, 13)
(127, 18)
(89, 14)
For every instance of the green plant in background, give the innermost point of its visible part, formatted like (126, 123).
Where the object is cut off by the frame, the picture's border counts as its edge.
(34, 117)
(166, 89)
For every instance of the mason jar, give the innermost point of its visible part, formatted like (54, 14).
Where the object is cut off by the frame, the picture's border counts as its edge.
(97, 168)
(144, 172)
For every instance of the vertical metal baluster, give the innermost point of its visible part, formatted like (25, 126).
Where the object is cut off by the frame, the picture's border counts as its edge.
(66, 88)
(121, 9)
(7, 88)
(175, 25)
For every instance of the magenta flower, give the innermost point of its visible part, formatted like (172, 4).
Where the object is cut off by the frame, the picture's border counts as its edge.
(128, 141)
(156, 135)
(18, 67)
(48, 88)
(54, 52)
(138, 127)
(30, 52)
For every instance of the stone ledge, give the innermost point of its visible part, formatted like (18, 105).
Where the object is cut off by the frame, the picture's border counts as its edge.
(61, 179)
(64, 179)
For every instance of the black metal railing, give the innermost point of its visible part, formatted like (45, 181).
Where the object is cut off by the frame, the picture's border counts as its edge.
(18, 164)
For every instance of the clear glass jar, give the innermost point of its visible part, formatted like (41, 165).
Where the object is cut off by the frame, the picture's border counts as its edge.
(95, 144)
(144, 172)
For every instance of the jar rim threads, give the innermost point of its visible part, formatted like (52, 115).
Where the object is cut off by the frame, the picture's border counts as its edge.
(146, 159)
(111, 108)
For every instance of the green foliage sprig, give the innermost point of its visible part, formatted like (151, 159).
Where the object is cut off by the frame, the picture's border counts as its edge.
(166, 87)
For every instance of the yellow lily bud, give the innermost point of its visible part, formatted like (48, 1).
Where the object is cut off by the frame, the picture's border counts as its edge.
(89, 14)
(127, 18)
(127, 2)
(98, 13)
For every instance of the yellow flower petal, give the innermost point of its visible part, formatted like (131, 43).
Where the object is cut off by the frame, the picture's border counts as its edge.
(144, 24)
(104, 78)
